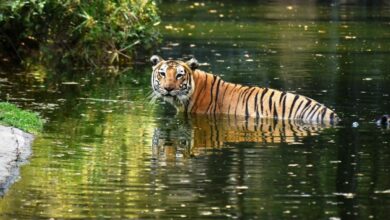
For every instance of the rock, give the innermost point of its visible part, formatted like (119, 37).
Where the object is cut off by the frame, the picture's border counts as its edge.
(15, 148)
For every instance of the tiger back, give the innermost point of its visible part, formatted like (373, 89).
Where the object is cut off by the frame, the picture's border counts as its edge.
(194, 91)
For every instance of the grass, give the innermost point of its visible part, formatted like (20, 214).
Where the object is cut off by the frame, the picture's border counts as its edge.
(11, 115)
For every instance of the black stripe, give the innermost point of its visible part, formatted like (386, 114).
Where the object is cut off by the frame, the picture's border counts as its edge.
(189, 84)
(230, 101)
(238, 100)
(292, 105)
(283, 132)
(270, 102)
(274, 124)
(247, 102)
(217, 132)
(282, 95)
(311, 110)
(319, 114)
(323, 115)
(275, 114)
(331, 117)
(292, 127)
(284, 125)
(246, 124)
(224, 92)
(216, 95)
(316, 112)
(211, 93)
(200, 92)
(261, 101)
(284, 106)
(262, 127)
(205, 84)
(242, 94)
(296, 112)
(189, 81)
(305, 108)
(255, 103)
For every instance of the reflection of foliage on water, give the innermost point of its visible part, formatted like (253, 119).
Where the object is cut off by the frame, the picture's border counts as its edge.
(91, 32)
(98, 139)
(67, 90)
(90, 159)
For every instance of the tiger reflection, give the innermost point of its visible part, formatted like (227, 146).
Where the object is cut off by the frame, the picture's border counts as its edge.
(201, 133)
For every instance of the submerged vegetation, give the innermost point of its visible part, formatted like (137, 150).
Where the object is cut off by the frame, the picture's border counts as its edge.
(11, 115)
(79, 31)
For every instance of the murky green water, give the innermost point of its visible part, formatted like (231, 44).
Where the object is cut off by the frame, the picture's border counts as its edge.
(107, 153)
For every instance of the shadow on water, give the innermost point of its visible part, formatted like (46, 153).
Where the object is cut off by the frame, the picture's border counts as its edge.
(200, 134)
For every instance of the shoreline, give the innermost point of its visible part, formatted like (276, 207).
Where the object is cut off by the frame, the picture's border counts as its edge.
(15, 149)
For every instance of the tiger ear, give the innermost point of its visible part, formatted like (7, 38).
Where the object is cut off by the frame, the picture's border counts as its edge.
(155, 60)
(193, 63)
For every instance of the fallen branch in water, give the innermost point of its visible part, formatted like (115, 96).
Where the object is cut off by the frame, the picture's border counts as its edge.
(105, 100)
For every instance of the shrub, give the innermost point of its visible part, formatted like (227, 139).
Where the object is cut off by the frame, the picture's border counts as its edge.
(82, 31)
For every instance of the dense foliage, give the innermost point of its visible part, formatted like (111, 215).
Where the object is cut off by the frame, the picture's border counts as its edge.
(82, 31)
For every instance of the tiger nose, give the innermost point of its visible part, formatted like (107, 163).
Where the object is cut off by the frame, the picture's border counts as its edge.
(168, 88)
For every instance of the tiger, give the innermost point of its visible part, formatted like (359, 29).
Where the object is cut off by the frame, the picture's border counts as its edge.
(192, 90)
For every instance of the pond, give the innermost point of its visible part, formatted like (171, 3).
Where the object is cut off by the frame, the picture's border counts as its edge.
(107, 152)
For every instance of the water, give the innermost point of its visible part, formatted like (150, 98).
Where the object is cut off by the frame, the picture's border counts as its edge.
(106, 152)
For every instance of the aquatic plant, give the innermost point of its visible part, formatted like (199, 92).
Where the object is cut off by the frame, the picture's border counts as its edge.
(80, 31)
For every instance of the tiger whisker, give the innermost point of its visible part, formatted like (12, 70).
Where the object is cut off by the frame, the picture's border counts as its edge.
(152, 97)
(153, 100)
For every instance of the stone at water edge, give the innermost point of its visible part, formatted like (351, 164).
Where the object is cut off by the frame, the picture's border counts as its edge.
(15, 148)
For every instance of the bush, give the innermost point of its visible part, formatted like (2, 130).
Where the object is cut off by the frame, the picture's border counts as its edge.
(86, 31)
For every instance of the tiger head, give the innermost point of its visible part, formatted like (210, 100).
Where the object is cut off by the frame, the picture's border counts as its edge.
(173, 79)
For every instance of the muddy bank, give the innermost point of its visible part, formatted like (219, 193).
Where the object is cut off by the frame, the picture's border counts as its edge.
(15, 148)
